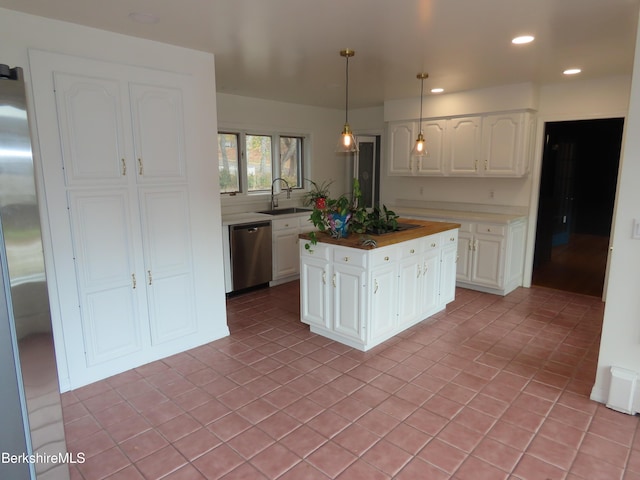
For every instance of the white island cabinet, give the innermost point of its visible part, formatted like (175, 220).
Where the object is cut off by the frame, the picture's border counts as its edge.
(363, 296)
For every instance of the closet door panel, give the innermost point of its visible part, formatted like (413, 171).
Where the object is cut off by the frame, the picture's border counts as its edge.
(90, 123)
(106, 271)
(168, 262)
(158, 131)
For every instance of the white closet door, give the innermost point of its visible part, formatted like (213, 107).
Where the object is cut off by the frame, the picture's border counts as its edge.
(91, 130)
(158, 132)
(168, 262)
(105, 268)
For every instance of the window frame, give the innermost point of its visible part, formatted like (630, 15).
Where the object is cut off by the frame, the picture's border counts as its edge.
(303, 164)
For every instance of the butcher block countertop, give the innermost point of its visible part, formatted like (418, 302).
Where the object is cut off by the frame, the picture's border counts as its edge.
(422, 228)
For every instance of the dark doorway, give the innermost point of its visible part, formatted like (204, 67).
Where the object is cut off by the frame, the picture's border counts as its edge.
(577, 192)
(367, 169)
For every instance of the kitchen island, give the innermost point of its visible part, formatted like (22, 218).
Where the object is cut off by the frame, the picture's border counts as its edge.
(361, 295)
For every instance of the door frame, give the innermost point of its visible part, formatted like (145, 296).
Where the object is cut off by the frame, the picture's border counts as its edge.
(534, 198)
(377, 165)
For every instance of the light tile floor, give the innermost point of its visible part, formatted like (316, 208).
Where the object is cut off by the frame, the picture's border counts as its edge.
(492, 388)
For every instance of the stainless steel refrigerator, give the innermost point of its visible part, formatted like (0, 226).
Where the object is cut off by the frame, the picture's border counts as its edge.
(32, 398)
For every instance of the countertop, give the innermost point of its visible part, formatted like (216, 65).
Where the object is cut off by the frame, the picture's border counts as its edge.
(354, 240)
(458, 214)
(250, 217)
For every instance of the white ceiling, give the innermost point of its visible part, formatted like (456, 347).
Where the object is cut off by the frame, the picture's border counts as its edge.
(288, 50)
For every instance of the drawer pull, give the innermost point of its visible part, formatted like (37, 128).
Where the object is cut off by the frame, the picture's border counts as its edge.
(433, 244)
(412, 251)
(346, 259)
(452, 239)
(386, 259)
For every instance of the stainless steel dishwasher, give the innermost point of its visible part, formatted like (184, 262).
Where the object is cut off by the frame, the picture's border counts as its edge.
(250, 254)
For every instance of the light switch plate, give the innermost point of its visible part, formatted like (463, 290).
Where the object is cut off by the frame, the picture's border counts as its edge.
(636, 229)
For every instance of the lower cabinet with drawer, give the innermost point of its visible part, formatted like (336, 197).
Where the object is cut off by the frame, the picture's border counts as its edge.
(285, 231)
(363, 297)
(490, 255)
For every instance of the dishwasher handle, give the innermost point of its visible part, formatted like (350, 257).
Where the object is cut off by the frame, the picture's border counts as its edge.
(251, 227)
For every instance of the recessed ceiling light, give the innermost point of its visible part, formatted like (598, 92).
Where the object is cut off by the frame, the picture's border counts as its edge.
(142, 17)
(572, 71)
(522, 39)
(437, 90)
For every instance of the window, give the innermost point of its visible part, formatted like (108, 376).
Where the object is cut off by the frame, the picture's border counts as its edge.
(259, 169)
(291, 160)
(228, 162)
(265, 157)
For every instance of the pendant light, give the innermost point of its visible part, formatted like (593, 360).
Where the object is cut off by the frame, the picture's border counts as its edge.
(420, 148)
(347, 143)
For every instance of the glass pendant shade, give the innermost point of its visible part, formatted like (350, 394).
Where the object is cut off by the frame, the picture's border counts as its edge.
(347, 142)
(420, 148)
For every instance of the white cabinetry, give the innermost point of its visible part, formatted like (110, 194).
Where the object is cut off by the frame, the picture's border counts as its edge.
(491, 145)
(286, 259)
(364, 297)
(124, 240)
(463, 145)
(402, 137)
(490, 256)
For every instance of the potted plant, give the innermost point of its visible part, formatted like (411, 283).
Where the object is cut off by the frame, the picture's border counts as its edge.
(334, 215)
(381, 220)
(318, 194)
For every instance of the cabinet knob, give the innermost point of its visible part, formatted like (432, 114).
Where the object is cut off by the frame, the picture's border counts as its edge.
(433, 244)
(412, 251)
(346, 259)
(386, 259)
(452, 239)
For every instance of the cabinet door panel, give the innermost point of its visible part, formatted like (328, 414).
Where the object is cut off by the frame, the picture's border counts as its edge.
(401, 138)
(168, 263)
(464, 145)
(488, 258)
(286, 256)
(448, 274)
(91, 131)
(382, 287)
(430, 293)
(158, 132)
(434, 134)
(409, 290)
(463, 265)
(502, 150)
(110, 324)
(313, 292)
(171, 313)
(348, 300)
(105, 268)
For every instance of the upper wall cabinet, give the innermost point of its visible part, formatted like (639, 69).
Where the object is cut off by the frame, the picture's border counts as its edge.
(492, 145)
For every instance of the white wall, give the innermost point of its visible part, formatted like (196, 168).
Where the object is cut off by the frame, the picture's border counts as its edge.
(21, 32)
(322, 124)
(620, 342)
(266, 116)
(570, 100)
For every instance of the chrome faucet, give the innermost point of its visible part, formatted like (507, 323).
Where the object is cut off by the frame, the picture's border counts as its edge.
(274, 200)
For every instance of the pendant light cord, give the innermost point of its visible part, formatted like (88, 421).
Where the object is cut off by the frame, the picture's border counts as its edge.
(421, 95)
(346, 102)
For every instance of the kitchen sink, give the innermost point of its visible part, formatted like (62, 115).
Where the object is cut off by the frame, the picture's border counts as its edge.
(285, 211)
